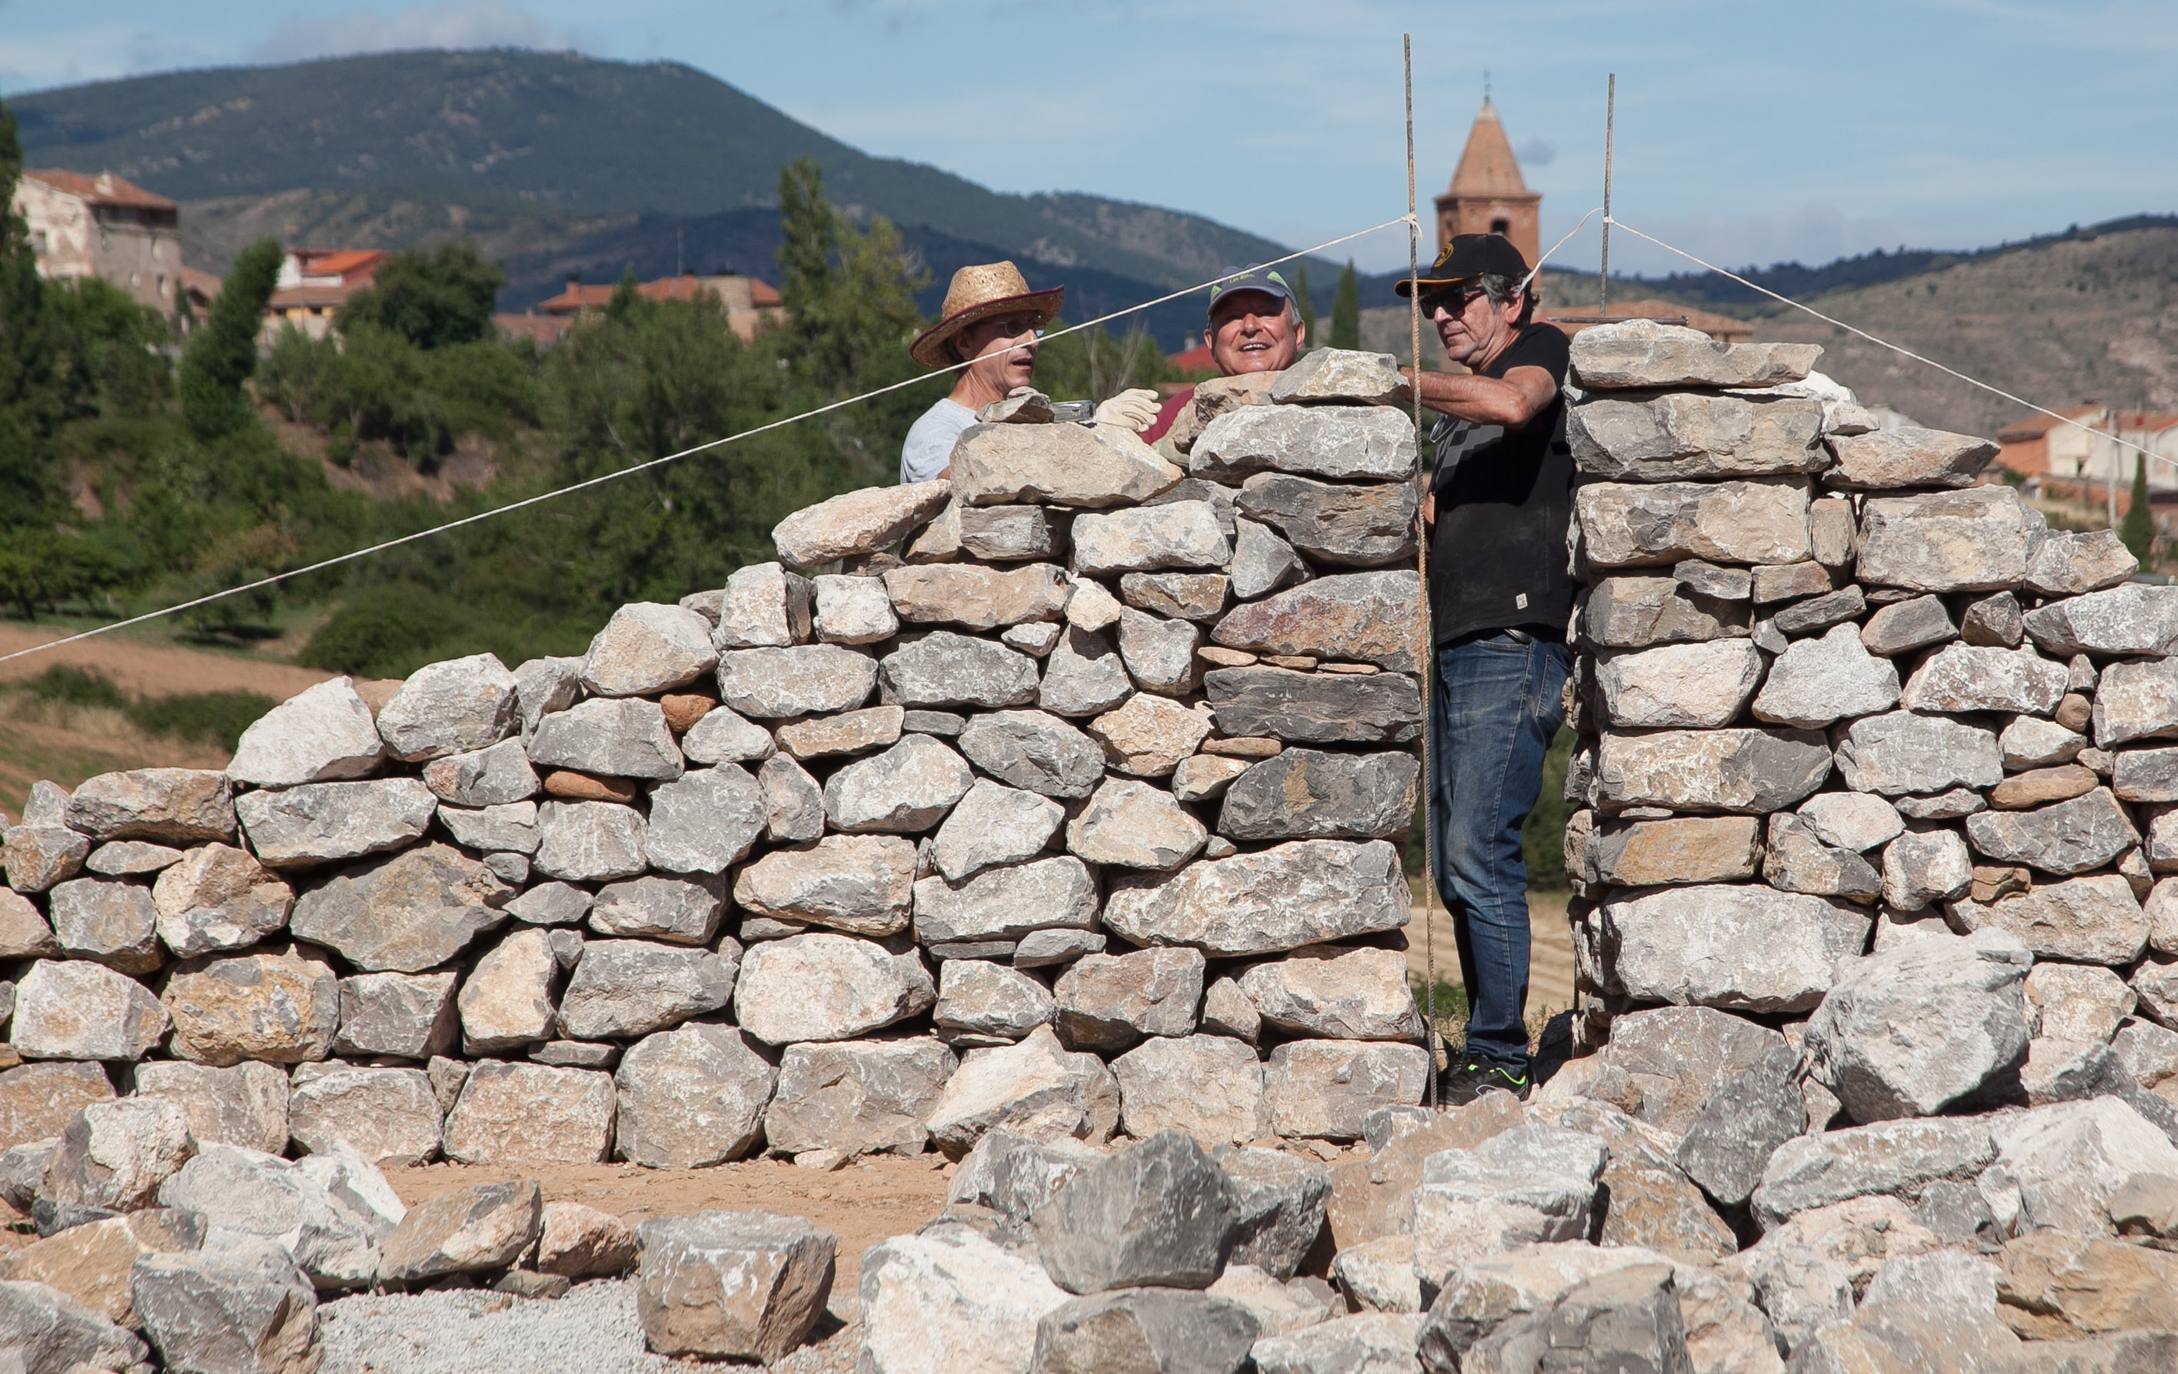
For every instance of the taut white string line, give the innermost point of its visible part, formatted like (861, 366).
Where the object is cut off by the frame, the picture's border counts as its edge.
(1558, 245)
(1899, 349)
(617, 473)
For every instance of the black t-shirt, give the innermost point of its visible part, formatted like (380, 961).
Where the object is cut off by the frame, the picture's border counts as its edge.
(1497, 557)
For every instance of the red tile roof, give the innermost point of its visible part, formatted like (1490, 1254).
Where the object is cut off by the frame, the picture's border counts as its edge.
(103, 189)
(763, 293)
(542, 330)
(348, 264)
(580, 296)
(1196, 359)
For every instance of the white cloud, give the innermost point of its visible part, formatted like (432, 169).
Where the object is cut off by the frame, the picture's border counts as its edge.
(477, 24)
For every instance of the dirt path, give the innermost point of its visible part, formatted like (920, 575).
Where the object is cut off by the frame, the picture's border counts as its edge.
(154, 669)
(873, 1199)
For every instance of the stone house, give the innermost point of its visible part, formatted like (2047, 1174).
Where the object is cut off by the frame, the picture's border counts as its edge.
(749, 303)
(314, 283)
(106, 227)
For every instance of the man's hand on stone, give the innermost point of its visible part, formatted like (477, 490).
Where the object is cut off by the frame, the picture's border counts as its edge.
(1132, 410)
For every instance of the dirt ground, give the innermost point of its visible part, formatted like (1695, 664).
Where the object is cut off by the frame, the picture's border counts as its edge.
(149, 669)
(1550, 950)
(873, 1199)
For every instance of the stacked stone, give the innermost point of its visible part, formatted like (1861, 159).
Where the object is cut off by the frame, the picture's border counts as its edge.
(1874, 813)
(1060, 795)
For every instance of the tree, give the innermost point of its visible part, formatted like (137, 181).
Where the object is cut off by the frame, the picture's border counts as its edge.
(430, 296)
(222, 355)
(2137, 529)
(30, 399)
(1346, 310)
(1300, 298)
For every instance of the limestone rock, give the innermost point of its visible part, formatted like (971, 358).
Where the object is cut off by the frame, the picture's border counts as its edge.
(762, 606)
(1365, 617)
(1818, 681)
(808, 679)
(974, 597)
(1527, 1185)
(250, 1308)
(1153, 1214)
(1344, 443)
(1742, 522)
(2132, 619)
(497, 775)
(1131, 824)
(1901, 1158)
(1902, 753)
(1889, 459)
(736, 1285)
(1181, 534)
(2064, 564)
(1635, 612)
(476, 1229)
(1963, 677)
(108, 921)
(590, 841)
(993, 824)
(326, 822)
(278, 1008)
(582, 1242)
(333, 1232)
(1144, 1331)
(114, 1155)
(647, 648)
(1323, 1088)
(1741, 770)
(724, 735)
(165, 805)
(1904, 626)
(405, 913)
(691, 1096)
(1908, 1031)
(1298, 893)
(908, 788)
(1085, 467)
(1314, 708)
(411, 1016)
(2059, 1166)
(947, 669)
(1007, 902)
(89, 1264)
(320, 734)
(45, 1330)
(793, 803)
(449, 708)
(1149, 735)
(858, 1096)
(514, 1115)
(1641, 354)
(857, 883)
(81, 1010)
(1746, 948)
(1684, 849)
(983, 1003)
(243, 1104)
(1677, 436)
(1209, 1087)
(38, 856)
(854, 610)
(1109, 1001)
(633, 987)
(1338, 523)
(1925, 867)
(2093, 920)
(1951, 541)
(2066, 838)
(1159, 654)
(2135, 701)
(827, 987)
(949, 1298)
(705, 820)
(389, 1116)
(1335, 992)
(1085, 675)
(1036, 1088)
(857, 523)
(1702, 684)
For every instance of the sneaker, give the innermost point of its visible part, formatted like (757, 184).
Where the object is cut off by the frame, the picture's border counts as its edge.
(1465, 1081)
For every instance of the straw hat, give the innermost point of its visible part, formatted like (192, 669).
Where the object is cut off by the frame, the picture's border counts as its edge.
(979, 292)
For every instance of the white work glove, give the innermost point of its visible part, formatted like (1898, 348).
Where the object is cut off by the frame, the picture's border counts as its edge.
(1131, 410)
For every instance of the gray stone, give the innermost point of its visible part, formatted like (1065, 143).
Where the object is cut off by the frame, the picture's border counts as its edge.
(1714, 580)
(2095, 920)
(1209, 1087)
(249, 1309)
(1340, 442)
(38, 856)
(1339, 523)
(1742, 1123)
(280, 1008)
(793, 803)
(1131, 824)
(1529, 1184)
(407, 912)
(1363, 617)
(1683, 849)
(521, 1115)
(1902, 753)
(1642, 354)
(509, 828)
(807, 679)
(1011, 533)
(2073, 564)
(1314, 708)
(243, 1104)
(1910, 1030)
(2141, 775)
(1851, 820)
(1084, 676)
(114, 1155)
(1036, 1087)
(724, 735)
(471, 1230)
(582, 1242)
(611, 737)
(907, 789)
(1820, 613)
(1155, 1213)
(1302, 892)
(1818, 681)
(2133, 619)
(389, 1116)
(1741, 522)
(1744, 948)
(861, 884)
(113, 923)
(705, 820)
(327, 822)
(545, 685)
(1335, 992)
(44, 1330)
(974, 597)
(164, 805)
(1182, 534)
(80, 1010)
(1703, 684)
(853, 610)
(690, 1097)
(985, 1003)
(1047, 947)
(735, 1285)
(321, 734)
(992, 825)
(1007, 902)
(1086, 467)
(496, 775)
(849, 732)
(677, 910)
(551, 904)
(1314, 794)
(1904, 626)
(2060, 1166)
(1994, 620)
(449, 708)
(647, 648)
(1740, 770)
(763, 606)
(1108, 1002)
(333, 1234)
(2066, 838)
(827, 987)
(856, 523)
(506, 1001)
(590, 841)
(1965, 677)
(2136, 701)
(1889, 459)
(1926, 867)
(24, 932)
(1636, 612)
(1795, 860)
(1322, 1089)
(858, 1096)
(1149, 735)
(1901, 1158)
(1145, 1331)
(1952, 541)
(946, 669)
(1159, 654)
(624, 988)
(1278, 1203)
(2081, 1002)
(1694, 435)
(1180, 595)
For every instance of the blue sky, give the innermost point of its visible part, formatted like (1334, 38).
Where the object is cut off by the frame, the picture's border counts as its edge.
(1746, 132)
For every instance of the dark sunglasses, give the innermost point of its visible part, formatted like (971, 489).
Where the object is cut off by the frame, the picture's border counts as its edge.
(1453, 300)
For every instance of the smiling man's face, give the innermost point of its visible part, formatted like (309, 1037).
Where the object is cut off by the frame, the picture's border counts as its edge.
(1252, 331)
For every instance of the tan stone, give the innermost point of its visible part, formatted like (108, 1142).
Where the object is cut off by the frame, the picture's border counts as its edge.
(573, 786)
(2042, 785)
(91, 1263)
(1373, 1198)
(37, 1101)
(684, 709)
(2056, 1286)
(278, 1008)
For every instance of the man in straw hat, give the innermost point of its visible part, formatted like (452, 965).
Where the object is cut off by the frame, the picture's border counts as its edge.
(991, 321)
(1500, 594)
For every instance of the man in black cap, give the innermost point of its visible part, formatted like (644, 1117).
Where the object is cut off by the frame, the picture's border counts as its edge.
(1500, 594)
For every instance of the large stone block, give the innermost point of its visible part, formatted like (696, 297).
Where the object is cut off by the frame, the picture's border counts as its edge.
(1346, 524)
(321, 734)
(1366, 617)
(614, 737)
(1323, 1089)
(1036, 1088)
(907, 789)
(80, 1010)
(249, 1308)
(516, 1115)
(405, 913)
(857, 523)
(647, 648)
(1528, 1185)
(1817, 681)
(1107, 1002)
(1624, 524)
(1908, 1031)
(1695, 435)
(762, 606)
(1208, 1086)
(949, 1299)
(409, 1016)
(2134, 619)
(1177, 534)
(1154, 1214)
(2136, 701)
(945, 669)
(1951, 541)
(1635, 612)
(626, 988)
(1643, 354)
(449, 708)
(1700, 684)
(165, 805)
(1743, 948)
(327, 822)
(1343, 443)
(1335, 992)
(704, 821)
(1737, 770)
(976, 598)
(858, 1096)
(1902, 754)
(689, 1097)
(828, 987)
(1302, 892)
(1314, 708)
(1891, 459)
(1086, 467)
(1966, 677)
(731, 1285)
(277, 1008)
(1683, 849)
(1316, 794)
(807, 679)
(863, 884)
(388, 1116)
(1130, 824)
(2091, 920)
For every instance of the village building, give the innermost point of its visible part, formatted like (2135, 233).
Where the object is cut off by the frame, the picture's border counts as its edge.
(314, 283)
(2065, 462)
(1488, 195)
(750, 304)
(84, 225)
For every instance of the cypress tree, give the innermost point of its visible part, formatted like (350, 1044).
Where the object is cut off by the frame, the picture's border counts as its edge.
(1300, 298)
(1346, 310)
(222, 355)
(2137, 529)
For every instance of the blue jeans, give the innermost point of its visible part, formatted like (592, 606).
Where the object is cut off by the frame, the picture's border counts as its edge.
(1496, 707)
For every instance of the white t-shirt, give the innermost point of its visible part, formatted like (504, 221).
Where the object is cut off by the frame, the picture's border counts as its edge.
(929, 447)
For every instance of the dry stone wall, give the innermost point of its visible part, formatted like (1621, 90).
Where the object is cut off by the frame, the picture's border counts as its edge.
(1059, 796)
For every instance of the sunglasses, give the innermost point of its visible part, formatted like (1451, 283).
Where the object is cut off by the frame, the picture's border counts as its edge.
(1453, 300)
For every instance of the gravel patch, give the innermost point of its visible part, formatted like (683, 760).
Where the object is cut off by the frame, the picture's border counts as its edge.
(475, 1331)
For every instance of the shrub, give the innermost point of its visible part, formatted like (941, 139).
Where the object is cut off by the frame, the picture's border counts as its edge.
(205, 717)
(67, 685)
(381, 633)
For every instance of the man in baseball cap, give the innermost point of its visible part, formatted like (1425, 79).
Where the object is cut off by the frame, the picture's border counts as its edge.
(1254, 325)
(1500, 595)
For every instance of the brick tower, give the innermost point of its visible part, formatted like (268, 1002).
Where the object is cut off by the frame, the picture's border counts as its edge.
(1487, 194)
